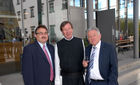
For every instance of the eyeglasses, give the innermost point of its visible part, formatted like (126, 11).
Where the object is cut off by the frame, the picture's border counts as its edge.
(41, 33)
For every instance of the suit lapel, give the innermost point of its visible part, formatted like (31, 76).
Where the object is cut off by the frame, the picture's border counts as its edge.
(41, 52)
(50, 50)
(52, 54)
(88, 51)
(101, 59)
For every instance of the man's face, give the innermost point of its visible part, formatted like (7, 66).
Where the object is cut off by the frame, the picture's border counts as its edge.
(93, 37)
(42, 35)
(67, 31)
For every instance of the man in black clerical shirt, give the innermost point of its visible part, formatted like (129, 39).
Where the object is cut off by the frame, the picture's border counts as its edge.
(70, 56)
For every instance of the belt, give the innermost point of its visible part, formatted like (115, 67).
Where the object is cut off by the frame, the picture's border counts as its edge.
(97, 80)
(51, 83)
(71, 74)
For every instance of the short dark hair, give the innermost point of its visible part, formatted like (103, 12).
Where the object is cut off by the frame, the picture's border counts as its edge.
(40, 26)
(64, 23)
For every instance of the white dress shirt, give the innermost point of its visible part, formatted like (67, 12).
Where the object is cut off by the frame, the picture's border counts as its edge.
(58, 77)
(41, 45)
(95, 71)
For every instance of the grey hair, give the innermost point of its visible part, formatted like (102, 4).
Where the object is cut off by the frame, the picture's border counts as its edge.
(94, 28)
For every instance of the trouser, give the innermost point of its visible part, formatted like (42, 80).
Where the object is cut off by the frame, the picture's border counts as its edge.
(73, 80)
(98, 82)
(51, 82)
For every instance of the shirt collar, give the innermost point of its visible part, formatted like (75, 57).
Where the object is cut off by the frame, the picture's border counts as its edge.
(68, 39)
(98, 44)
(41, 44)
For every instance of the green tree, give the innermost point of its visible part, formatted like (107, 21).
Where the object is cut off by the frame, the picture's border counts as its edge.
(130, 27)
(122, 25)
(139, 38)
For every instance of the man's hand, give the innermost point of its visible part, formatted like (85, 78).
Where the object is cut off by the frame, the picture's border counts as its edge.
(85, 63)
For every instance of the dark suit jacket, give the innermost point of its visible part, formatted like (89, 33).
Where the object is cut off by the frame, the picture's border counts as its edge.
(108, 64)
(35, 66)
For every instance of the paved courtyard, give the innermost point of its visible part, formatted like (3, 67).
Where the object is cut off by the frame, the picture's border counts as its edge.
(16, 78)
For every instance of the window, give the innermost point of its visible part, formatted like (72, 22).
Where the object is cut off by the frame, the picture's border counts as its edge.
(32, 28)
(77, 3)
(52, 34)
(18, 15)
(18, 2)
(24, 11)
(51, 6)
(42, 8)
(64, 4)
(26, 31)
(32, 11)
(32, 31)
(102, 5)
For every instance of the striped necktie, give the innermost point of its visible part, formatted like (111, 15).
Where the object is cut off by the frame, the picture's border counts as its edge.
(91, 62)
(51, 68)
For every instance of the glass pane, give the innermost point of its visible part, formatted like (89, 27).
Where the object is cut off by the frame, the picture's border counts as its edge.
(102, 4)
(77, 3)
(52, 34)
(130, 11)
(71, 3)
(113, 4)
(122, 8)
(10, 38)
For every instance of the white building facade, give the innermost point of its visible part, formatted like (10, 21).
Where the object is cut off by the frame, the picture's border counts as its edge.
(50, 13)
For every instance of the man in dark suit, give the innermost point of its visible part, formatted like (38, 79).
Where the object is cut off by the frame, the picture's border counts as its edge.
(38, 60)
(102, 61)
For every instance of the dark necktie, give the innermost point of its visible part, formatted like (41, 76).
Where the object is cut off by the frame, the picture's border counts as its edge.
(51, 68)
(91, 62)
